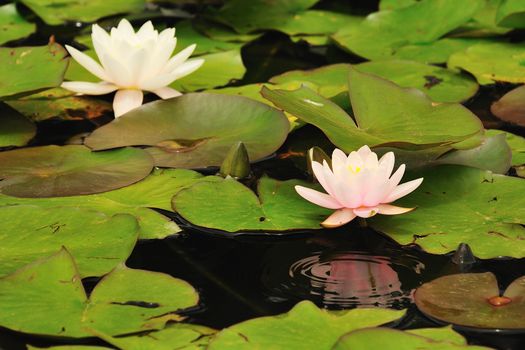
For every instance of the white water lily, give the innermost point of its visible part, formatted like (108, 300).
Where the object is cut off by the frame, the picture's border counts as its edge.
(358, 185)
(131, 63)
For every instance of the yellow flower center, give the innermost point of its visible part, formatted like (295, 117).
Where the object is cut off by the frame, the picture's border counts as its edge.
(355, 170)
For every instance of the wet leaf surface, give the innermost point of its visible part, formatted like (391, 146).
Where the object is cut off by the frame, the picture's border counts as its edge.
(230, 206)
(516, 143)
(463, 300)
(99, 242)
(511, 107)
(200, 133)
(511, 13)
(15, 129)
(26, 70)
(304, 327)
(55, 171)
(12, 25)
(124, 301)
(462, 205)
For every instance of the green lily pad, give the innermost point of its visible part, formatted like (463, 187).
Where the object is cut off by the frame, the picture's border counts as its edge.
(511, 107)
(200, 133)
(405, 117)
(440, 84)
(188, 35)
(70, 347)
(245, 16)
(61, 104)
(382, 33)
(230, 206)
(516, 143)
(471, 300)
(492, 62)
(222, 32)
(46, 297)
(385, 5)
(15, 129)
(219, 69)
(315, 22)
(304, 327)
(54, 171)
(55, 12)
(26, 70)
(440, 334)
(390, 339)
(511, 13)
(155, 191)
(175, 336)
(98, 241)
(12, 25)
(462, 205)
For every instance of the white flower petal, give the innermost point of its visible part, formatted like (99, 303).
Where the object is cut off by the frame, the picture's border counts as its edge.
(117, 72)
(387, 209)
(84, 87)
(181, 71)
(403, 189)
(146, 31)
(87, 62)
(364, 152)
(126, 100)
(388, 161)
(179, 58)
(366, 212)
(339, 218)
(166, 92)
(319, 198)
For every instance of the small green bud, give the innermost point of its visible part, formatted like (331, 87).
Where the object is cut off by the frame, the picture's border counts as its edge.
(237, 163)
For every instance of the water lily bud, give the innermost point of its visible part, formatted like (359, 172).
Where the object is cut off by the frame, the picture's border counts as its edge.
(316, 154)
(358, 185)
(237, 163)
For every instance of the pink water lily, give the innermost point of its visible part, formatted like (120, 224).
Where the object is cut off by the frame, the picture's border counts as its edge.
(132, 62)
(358, 185)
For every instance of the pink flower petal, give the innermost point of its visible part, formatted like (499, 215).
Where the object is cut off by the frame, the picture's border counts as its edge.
(339, 218)
(388, 160)
(388, 209)
(366, 212)
(403, 189)
(319, 198)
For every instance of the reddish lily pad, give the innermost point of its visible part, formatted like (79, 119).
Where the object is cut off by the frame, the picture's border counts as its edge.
(511, 107)
(474, 300)
(54, 171)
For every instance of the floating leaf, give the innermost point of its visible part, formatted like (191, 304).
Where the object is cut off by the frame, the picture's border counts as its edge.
(245, 16)
(15, 129)
(393, 339)
(61, 104)
(440, 334)
(54, 171)
(381, 34)
(12, 25)
(200, 133)
(26, 70)
(511, 13)
(404, 116)
(511, 107)
(304, 327)
(55, 12)
(218, 69)
(462, 205)
(516, 143)
(47, 298)
(470, 300)
(174, 336)
(155, 191)
(70, 347)
(441, 85)
(188, 35)
(492, 62)
(230, 206)
(98, 241)
(312, 22)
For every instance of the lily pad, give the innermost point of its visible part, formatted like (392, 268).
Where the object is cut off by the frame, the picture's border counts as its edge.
(155, 191)
(98, 241)
(315, 22)
(200, 132)
(15, 129)
(304, 327)
(178, 336)
(26, 70)
(219, 69)
(440, 334)
(47, 298)
(393, 339)
(462, 205)
(473, 300)
(511, 13)
(245, 16)
(54, 171)
(61, 104)
(405, 117)
(230, 206)
(511, 107)
(492, 62)
(516, 143)
(12, 25)
(55, 12)
(381, 34)
(188, 35)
